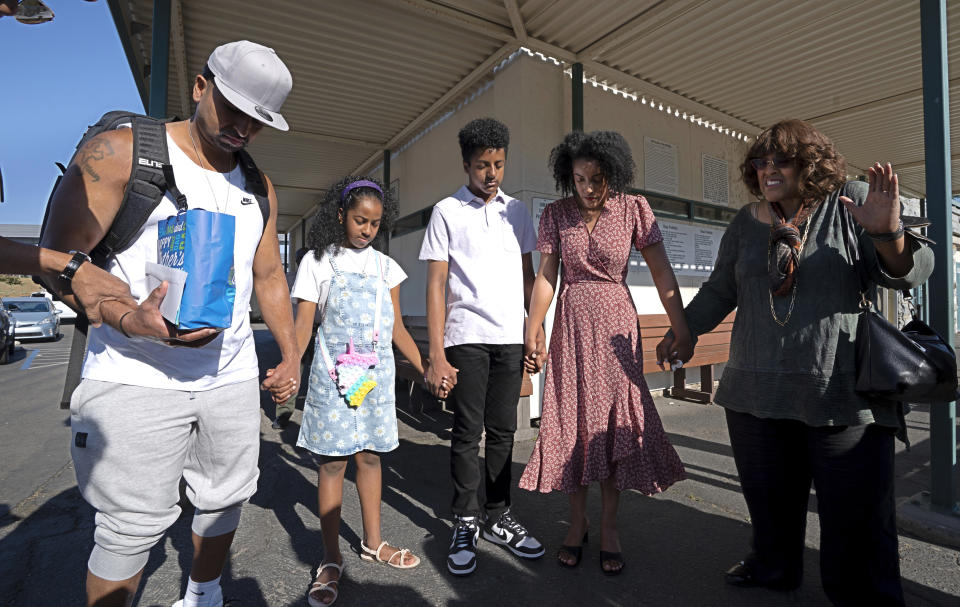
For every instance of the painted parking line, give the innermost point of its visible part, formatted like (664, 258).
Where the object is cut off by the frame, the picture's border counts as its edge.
(30, 357)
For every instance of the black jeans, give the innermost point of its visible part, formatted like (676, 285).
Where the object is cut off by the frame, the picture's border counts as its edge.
(484, 399)
(852, 471)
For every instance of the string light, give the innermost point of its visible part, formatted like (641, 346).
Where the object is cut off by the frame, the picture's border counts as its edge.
(609, 87)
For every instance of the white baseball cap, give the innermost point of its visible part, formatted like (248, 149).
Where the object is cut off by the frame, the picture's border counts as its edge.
(254, 79)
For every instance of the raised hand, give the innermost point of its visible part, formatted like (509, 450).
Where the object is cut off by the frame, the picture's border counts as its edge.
(880, 213)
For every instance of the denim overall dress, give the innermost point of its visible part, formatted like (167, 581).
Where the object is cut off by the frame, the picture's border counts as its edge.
(330, 426)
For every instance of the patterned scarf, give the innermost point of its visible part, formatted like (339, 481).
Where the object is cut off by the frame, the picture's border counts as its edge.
(785, 244)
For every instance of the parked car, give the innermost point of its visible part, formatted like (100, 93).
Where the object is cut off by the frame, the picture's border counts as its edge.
(7, 336)
(34, 317)
(67, 314)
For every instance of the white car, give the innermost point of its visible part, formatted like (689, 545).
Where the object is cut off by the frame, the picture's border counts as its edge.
(34, 317)
(66, 312)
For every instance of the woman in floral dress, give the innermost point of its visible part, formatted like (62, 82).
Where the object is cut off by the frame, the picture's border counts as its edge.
(598, 419)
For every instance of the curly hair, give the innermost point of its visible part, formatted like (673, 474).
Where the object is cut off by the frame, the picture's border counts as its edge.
(822, 169)
(327, 229)
(482, 134)
(608, 148)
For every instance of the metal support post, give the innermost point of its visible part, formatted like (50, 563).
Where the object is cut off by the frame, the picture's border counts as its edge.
(386, 169)
(936, 127)
(386, 185)
(159, 59)
(577, 96)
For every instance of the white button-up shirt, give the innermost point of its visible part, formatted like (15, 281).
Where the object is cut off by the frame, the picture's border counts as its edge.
(483, 244)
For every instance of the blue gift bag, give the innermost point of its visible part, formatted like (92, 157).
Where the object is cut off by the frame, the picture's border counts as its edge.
(200, 243)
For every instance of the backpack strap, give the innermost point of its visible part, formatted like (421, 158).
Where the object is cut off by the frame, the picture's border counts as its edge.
(145, 188)
(78, 350)
(254, 184)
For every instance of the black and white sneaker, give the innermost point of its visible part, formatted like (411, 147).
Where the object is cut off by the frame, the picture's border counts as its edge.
(462, 558)
(508, 532)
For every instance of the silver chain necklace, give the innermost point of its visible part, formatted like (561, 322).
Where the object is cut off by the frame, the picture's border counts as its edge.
(226, 197)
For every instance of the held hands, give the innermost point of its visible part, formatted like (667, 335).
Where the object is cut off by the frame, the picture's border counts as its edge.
(674, 350)
(880, 213)
(147, 321)
(440, 378)
(534, 351)
(283, 381)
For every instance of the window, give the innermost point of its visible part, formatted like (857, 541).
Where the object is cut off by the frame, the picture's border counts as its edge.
(692, 210)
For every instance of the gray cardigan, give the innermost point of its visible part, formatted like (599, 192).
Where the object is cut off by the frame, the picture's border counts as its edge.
(805, 370)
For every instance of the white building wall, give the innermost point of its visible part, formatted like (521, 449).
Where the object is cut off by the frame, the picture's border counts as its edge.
(532, 97)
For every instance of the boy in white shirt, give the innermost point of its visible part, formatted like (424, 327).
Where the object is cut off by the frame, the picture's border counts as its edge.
(477, 246)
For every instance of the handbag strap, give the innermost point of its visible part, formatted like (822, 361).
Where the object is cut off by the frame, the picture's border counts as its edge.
(327, 361)
(852, 243)
(378, 314)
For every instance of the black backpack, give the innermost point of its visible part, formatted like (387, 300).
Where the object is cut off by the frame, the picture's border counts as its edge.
(150, 179)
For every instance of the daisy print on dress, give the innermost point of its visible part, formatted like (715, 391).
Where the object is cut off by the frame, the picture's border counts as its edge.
(371, 425)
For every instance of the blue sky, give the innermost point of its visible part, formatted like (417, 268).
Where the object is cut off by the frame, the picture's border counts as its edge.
(57, 78)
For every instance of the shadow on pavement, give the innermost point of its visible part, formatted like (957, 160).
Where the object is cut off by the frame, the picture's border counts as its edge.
(676, 545)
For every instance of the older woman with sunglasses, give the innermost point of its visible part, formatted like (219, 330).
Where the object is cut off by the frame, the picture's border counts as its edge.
(788, 388)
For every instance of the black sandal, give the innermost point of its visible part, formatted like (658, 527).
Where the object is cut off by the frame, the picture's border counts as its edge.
(616, 557)
(575, 551)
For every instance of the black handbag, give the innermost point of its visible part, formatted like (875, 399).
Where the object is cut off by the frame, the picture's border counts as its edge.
(913, 364)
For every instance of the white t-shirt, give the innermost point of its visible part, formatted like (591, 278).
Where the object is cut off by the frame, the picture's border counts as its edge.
(483, 245)
(231, 357)
(313, 276)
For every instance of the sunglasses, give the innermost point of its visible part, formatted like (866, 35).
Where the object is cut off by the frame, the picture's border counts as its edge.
(778, 162)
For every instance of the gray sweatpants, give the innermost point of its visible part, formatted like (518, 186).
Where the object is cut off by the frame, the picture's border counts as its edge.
(132, 445)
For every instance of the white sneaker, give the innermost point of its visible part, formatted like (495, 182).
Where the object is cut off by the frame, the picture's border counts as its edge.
(509, 533)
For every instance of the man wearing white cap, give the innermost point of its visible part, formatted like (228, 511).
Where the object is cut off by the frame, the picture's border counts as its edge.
(149, 413)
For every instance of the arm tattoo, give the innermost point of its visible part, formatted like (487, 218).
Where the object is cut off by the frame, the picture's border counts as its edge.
(96, 151)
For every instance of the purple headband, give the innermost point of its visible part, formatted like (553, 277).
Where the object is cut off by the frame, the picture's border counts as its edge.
(360, 183)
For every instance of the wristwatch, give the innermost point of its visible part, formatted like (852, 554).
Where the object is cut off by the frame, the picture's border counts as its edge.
(78, 258)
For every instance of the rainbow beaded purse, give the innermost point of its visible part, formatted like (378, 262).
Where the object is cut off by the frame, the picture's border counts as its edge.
(354, 379)
(352, 371)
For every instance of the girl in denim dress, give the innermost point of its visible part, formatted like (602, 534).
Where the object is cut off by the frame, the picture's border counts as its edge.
(356, 289)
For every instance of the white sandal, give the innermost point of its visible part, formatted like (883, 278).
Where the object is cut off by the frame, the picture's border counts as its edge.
(369, 554)
(318, 587)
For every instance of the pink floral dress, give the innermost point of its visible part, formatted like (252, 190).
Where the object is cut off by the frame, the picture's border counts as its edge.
(598, 418)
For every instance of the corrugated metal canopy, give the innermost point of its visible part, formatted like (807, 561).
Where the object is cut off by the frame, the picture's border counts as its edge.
(368, 74)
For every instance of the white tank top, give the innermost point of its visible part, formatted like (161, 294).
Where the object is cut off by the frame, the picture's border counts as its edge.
(228, 359)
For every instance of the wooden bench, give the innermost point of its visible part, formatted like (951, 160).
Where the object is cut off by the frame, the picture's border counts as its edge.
(417, 326)
(712, 348)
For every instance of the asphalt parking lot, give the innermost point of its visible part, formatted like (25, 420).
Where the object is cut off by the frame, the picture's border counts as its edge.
(33, 444)
(676, 544)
